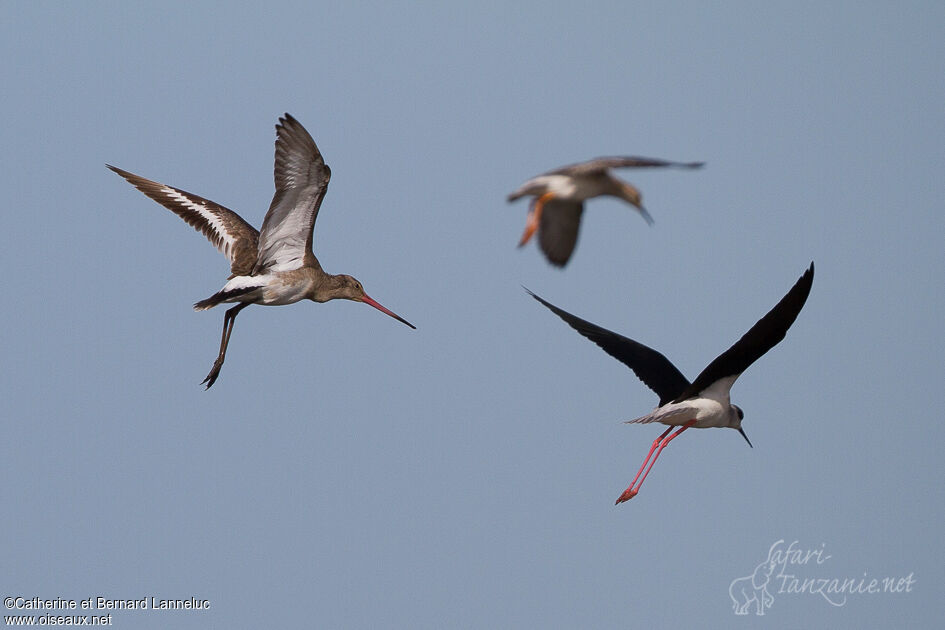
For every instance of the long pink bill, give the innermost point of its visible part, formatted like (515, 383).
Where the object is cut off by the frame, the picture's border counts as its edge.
(371, 301)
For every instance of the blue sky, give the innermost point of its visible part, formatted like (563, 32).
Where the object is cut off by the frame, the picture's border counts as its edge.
(346, 471)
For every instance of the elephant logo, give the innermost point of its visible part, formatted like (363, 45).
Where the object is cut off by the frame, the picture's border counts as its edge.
(753, 588)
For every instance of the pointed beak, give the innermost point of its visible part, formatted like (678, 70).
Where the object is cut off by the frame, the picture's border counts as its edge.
(644, 214)
(742, 431)
(632, 196)
(371, 301)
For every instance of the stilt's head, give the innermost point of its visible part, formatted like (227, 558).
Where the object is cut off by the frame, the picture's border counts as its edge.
(631, 194)
(736, 415)
(348, 288)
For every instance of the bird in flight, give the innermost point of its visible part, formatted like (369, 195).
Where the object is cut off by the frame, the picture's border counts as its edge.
(559, 195)
(273, 266)
(704, 403)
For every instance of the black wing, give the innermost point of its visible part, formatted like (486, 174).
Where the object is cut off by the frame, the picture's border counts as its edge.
(763, 336)
(651, 367)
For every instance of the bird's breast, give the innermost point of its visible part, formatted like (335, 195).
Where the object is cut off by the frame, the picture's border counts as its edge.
(587, 188)
(707, 412)
(286, 288)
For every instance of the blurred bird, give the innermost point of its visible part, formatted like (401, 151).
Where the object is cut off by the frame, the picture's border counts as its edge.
(560, 194)
(275, 266)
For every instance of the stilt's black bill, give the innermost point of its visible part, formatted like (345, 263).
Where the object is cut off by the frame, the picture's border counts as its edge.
(740, 430)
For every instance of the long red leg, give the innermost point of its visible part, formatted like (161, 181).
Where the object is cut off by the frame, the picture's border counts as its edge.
(656, 443)
(663, 441)
(629, 493)
(534, 216)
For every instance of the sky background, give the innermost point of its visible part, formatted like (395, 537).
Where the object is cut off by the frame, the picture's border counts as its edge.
(346, 471)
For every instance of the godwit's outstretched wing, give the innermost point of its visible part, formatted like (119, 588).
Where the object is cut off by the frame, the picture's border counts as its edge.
(764, 335)
(652, 367)
(227, 231)
(301, 176)
(598, 165)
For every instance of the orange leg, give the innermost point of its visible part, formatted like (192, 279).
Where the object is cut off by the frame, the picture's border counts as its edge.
(662, 441)
(534, 216)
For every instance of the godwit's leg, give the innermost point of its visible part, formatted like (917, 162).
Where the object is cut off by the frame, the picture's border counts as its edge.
(228, 320)
(663, 441)
(534, 216)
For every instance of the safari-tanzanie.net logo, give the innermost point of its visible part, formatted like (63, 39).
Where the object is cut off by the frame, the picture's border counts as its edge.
(791, 569)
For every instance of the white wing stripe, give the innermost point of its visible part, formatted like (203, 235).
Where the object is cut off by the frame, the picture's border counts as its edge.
(226, 240)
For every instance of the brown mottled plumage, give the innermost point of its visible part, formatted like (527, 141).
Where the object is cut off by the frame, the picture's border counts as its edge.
(276, 265)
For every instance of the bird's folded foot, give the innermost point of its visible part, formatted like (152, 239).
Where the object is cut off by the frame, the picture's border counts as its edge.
(531, 225)
(534, 217)
(628, 494)
(214, 373)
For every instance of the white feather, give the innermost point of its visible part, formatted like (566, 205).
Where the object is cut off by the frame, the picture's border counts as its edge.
(226, 239)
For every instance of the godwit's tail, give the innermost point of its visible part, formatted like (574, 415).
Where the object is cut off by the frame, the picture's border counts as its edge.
(223, 296)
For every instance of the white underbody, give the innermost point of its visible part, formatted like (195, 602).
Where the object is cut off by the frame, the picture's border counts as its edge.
(274, 289)
(711, 409)
(565, 187)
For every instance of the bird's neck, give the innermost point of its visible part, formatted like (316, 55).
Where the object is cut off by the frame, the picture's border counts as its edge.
(326, 287)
